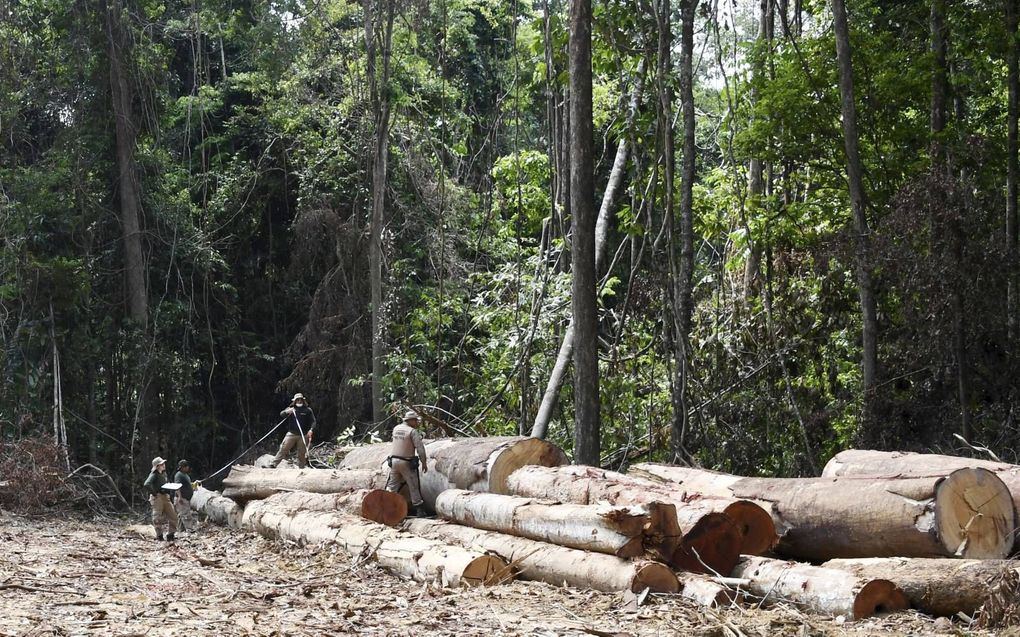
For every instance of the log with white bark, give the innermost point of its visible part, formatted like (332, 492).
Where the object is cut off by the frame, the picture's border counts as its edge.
(710, 541)
(418, 558)
(474, 464)
(252, 483)
(708, 591)
(623, 531)
(582, 484)
(967, 513)
(933, 585)
(556, 565)
(376, 505)
(863, 462)
(217, 508)
(822, 590)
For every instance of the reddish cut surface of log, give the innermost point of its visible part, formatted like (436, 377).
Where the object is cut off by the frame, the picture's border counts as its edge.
(711, 546)
(822, 590)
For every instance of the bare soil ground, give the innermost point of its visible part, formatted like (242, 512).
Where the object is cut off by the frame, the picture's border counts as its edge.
(61, 576)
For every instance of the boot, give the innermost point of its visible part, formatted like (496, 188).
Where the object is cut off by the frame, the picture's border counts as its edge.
(159, 536)
(170, 537)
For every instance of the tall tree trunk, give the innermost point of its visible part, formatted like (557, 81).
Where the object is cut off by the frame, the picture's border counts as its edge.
(1012, 165)
(378, 25)
(756, 167)
(865, 283)
(129, 188)
(540, 427)
(587, 441)
(684, 278)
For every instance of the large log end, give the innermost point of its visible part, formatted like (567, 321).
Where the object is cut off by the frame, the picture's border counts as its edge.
(487, 570)
(521, 453)
(974, 514)
(712, 546)
(879, 596)
(757, 529)
(656, 577)
(384, 507)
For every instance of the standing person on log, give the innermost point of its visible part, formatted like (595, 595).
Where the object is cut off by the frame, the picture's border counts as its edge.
(403, 462)
(300, 421)
(163, 512)
(182, 505)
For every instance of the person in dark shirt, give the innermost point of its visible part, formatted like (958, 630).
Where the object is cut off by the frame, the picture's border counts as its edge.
(182, 505)
(300, 421)
(163, 513)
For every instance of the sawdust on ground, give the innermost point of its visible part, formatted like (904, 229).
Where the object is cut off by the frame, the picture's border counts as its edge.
(61, 576)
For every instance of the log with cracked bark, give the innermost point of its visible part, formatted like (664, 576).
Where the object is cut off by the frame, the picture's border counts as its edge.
(623, 531)
(710, 541)
(217, 508)
(822, 590)
(252, 483)
(418, 558)
(556, 565)
(967, 513)
(935, 585)
(376, 505)
(864, 462)
(474, 464)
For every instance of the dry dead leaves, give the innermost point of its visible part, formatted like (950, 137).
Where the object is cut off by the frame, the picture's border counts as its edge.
(109, 577)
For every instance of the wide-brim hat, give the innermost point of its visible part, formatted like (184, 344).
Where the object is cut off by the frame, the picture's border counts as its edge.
(411, 415)
(158, 461)
(298, 396)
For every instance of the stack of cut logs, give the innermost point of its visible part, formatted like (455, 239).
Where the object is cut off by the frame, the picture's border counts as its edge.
(878, 532)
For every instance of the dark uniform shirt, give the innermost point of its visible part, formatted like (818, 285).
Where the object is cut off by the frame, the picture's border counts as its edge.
(154, 483)
(303, 413)
(186, 490)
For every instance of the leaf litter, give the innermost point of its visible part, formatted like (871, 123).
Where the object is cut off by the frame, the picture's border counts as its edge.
(64, 576)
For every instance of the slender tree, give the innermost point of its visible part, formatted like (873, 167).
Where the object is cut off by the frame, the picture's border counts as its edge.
(587, 430)
(858, 203)
(1012, 158)
(379, 15)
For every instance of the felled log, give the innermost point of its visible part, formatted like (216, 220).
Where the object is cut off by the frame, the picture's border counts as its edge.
(473, 464)
(252, 483)
(968, 513)
(556, 565)
(710, 541)
(862, 462)
(822, 590)
(582, 484)
(934, 586)
(372, 504)
(217, 508)
(706, 591)
(418, 558)
(623, 531)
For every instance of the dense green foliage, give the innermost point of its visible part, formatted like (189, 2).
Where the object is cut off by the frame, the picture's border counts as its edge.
(254, 151)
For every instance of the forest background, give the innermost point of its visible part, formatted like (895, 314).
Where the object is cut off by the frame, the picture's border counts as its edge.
(207, 205)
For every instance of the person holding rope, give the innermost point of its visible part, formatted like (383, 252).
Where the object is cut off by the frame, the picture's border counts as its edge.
(404, 464)
(300, 421)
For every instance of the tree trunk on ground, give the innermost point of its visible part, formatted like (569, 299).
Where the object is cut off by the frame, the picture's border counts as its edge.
(587, 429)
(934, 586)
(710, 541)
(703, 591)
(863, 462)
(250, 483)
(474, 464)
(821, 590)
(553, 564)
(380, 506)
(217, 508)
(968, 513)
(615, 530)
(418, 558)
(855, 177)
(540, 427)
